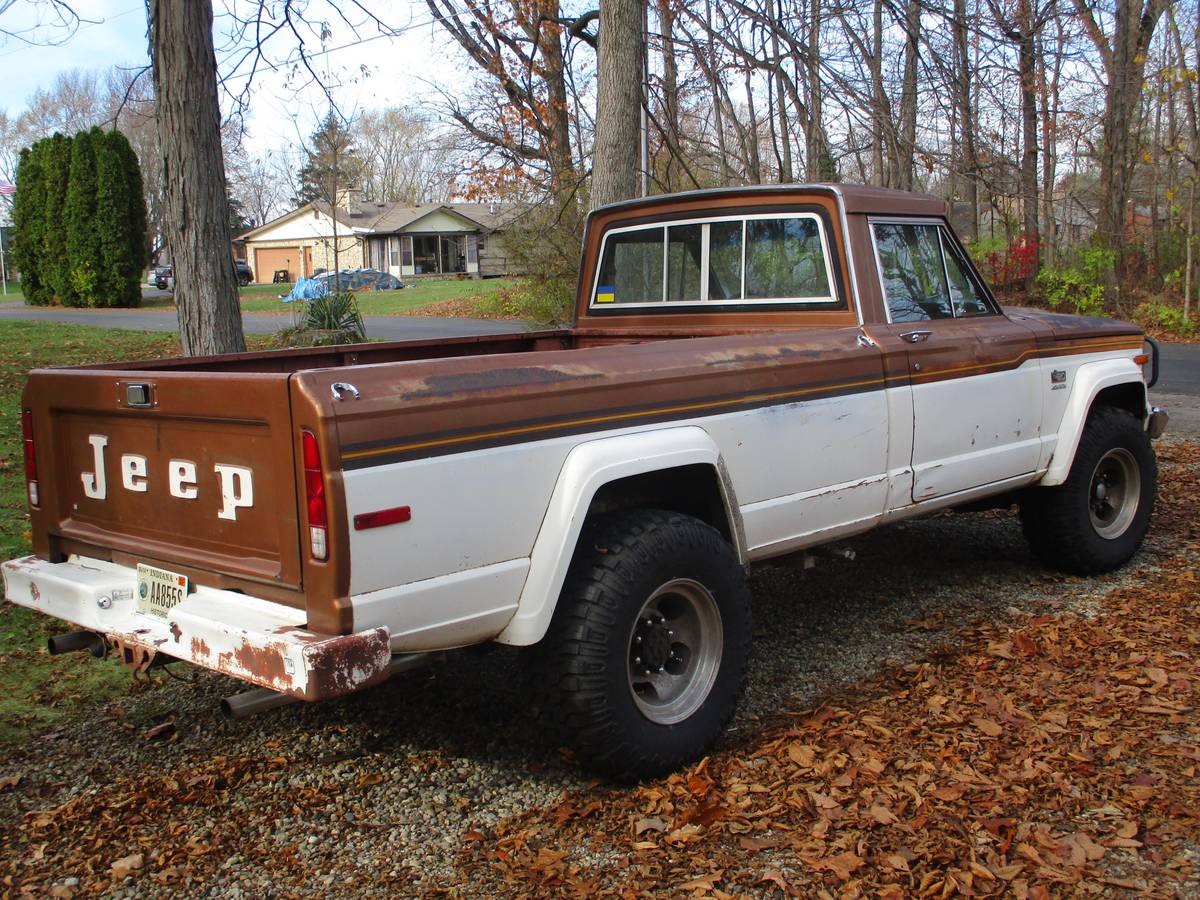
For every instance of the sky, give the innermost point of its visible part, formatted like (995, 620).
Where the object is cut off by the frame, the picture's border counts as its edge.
(370, 71)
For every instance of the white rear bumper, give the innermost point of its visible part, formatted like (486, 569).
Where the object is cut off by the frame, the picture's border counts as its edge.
(256, 640)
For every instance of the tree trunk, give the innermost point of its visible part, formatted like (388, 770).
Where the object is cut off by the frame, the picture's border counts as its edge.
(557, 115)
(670, 89)
(816, 150)
(967, 163)
(879, 95)
(1124, 58)
(1026, 55)
(907, 143)
(618, 102)
(197, 210)
(786, 173)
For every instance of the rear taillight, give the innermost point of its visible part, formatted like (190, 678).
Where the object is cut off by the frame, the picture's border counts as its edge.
(314, 496)
(31, 473)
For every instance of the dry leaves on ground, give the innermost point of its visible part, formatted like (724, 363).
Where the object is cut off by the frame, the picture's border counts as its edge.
(1053, 753)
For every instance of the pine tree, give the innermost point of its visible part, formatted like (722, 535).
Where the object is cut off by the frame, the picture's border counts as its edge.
(119, 222)
(83, 237)
(28, 206)
(54, 266)
(331, 163)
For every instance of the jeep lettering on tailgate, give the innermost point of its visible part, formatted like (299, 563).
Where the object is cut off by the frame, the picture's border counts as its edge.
(236, 482)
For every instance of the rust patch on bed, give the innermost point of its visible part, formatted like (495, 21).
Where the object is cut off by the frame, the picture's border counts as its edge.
(497, 380)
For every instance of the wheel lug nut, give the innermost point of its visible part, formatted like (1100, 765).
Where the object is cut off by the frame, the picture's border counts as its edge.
(637, 660)
(670, 633)
(637, 639)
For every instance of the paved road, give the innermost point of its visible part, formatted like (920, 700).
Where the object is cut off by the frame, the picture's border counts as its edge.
(389, 327)
(1180, 372)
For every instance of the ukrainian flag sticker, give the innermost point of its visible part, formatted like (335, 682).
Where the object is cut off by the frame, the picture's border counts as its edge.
(606, 294)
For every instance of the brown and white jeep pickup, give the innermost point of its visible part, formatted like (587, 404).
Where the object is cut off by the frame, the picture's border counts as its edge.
(751, 372)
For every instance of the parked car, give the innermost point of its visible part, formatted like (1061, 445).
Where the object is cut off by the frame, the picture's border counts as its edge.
(359, 280)
(244, 273)
(164, 277)
(751, 373)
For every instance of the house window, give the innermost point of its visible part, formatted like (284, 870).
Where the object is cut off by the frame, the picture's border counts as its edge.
(406, 250)
(394, 250)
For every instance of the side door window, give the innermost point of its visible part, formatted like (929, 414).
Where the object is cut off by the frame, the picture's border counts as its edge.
(965, 294)
(912, 272)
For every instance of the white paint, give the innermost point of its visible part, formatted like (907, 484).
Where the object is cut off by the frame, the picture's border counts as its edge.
(95, 485)
(449, 611)
(590, 466)
(306, 224)
(975, 430)
(1091, 374)
(133, 472)
(182, 479)
(237, 489)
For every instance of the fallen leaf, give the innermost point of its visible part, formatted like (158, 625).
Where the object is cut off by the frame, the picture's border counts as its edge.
(653, 823)
(988, 726)
(127, 865)
(162, 730)
(369, 778)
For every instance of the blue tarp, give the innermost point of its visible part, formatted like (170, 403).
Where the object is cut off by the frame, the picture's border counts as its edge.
(306, 289)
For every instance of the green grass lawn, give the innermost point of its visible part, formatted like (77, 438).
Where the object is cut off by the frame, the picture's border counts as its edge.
(37, 689)
(265, 297)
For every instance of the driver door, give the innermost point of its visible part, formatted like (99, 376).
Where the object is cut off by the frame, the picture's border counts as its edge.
(974, 373)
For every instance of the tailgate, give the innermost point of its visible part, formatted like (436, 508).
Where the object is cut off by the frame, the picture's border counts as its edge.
(194, 469)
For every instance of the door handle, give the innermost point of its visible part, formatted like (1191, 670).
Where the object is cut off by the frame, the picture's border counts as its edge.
(915, 337)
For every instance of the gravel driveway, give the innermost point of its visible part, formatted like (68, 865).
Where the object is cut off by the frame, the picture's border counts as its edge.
(386, 787)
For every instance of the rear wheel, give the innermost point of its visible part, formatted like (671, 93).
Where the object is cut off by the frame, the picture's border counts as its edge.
(644, 660)
(1096, 520)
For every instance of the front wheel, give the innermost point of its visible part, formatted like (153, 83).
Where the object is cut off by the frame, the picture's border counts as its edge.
(645, 656)
(1095, 521)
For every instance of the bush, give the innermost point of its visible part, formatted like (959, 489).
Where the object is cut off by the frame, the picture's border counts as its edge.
(27, 219)
(1157, 315)
(83, 235)
(326, 320)
(546, 301)
(1078, 286)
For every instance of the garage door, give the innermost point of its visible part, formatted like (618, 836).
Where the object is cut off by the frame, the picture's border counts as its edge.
(268, 260)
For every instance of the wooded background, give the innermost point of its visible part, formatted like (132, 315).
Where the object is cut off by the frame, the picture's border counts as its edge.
(1064, 133)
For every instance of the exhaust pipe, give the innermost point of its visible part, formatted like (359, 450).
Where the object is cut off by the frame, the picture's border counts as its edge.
(249, 703)
(77, 640)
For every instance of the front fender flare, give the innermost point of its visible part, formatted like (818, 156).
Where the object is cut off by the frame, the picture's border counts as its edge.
(587, 468)
(1090, 379)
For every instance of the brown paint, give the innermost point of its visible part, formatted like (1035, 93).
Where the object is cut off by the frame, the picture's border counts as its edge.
(420, 398)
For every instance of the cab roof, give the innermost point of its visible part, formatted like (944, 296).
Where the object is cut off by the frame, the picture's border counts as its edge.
(854, 198)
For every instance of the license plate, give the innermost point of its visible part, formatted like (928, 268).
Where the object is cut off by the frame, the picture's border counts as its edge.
(159, 591)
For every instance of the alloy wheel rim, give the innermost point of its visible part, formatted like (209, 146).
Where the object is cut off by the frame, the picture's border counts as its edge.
(675, 648)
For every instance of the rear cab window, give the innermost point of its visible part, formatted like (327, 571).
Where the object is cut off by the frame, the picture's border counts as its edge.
(924, 273)
(778, 259)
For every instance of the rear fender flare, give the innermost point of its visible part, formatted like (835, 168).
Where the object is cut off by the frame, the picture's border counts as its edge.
(1090, 380)
(587, 468)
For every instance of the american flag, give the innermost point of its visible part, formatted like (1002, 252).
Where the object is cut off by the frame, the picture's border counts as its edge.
(7, 189)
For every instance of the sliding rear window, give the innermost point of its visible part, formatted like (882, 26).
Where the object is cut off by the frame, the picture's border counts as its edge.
(781, 259)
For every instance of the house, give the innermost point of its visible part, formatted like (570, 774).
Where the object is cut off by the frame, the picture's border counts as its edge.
(403, 240)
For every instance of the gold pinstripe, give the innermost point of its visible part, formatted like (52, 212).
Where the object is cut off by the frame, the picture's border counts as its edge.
(1121, 343)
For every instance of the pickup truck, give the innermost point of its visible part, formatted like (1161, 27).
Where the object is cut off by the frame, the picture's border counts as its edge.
(752, 372)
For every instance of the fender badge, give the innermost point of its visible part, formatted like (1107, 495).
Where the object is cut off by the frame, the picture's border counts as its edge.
(1058, 376)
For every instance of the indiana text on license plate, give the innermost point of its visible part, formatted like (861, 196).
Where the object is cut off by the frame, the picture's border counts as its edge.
(158, 590)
